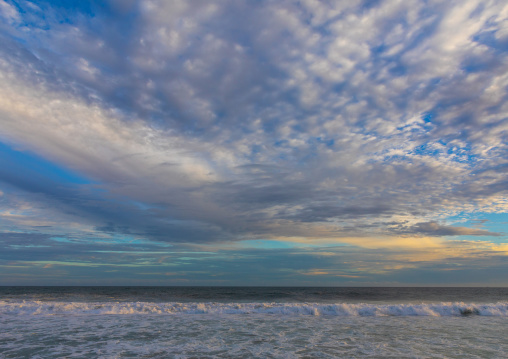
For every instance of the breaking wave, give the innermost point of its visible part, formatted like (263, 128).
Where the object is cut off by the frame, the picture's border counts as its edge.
(281, 309)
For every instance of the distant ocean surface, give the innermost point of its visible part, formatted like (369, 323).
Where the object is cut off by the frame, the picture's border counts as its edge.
(253, 322)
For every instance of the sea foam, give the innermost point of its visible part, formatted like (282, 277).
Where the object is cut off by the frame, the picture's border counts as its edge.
(280, 309)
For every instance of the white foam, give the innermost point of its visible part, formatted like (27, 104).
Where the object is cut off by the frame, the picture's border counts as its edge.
(281, 309)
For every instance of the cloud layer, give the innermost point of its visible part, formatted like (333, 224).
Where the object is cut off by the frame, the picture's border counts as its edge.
(353, 122)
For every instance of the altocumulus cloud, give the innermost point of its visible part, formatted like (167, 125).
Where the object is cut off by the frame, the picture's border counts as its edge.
(186, 123)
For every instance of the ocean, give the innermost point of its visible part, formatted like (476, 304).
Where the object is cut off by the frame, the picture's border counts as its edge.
(253, 322)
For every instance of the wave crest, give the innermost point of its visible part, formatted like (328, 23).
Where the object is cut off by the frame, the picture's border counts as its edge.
(283, 309)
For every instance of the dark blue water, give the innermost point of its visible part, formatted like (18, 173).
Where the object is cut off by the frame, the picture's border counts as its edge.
(256, 294)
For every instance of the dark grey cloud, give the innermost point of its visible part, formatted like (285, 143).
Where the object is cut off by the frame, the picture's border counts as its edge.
(436, 229)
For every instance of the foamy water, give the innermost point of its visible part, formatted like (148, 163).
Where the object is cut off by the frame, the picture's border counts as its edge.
(238, 323)
(281, 309)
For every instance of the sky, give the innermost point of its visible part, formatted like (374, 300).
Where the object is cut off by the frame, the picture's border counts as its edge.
(285, 143)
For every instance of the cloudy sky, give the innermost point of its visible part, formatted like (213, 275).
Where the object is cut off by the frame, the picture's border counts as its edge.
(254, 142)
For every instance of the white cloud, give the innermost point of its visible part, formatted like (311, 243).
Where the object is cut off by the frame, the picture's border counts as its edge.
(9, 12)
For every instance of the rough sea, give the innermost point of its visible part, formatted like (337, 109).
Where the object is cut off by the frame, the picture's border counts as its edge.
(253, 322)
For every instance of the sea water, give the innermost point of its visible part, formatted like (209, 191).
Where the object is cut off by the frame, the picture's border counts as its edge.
(253, 322)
